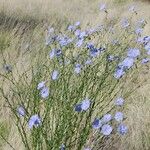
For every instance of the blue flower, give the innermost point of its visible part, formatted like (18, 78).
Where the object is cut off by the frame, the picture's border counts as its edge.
(146, 39)
(41, 85)
(77, 69)
(115, 42)
(52, 54)
(54, 75)
(85, 104)
(79, 42)
(124, 23)
(21, 111)
(82, 35)
(96, 123)
(93, 51)
(127, 63)
(7, 68)
(122, 129)
(119, 101)
(119, 73)
(132, 9)
(119, 116)
(138, 31)
(78, 107)
(44, 92)
(106, 118)
(71, 28)
(106, 129)
(110, 58)
(133, 52)
(34, 121)
(145, 60)
(77, 32)
(62, 147)
(103, 7)
(88, 62)
(147, 46)
(64, 40)
(58, 52)
(77, 23)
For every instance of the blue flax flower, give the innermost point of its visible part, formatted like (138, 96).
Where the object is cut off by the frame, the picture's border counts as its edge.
(133, 52)
(122, 129)
(77, 69)
(124, 23)
(78, 107)
(103, 7)
(34, 121)
(44, 92)
(106, 129)
(145, 60)
(106, 118)
(41, 85)
(62, 147)
(119, 101)
(127, 63)
(55, 75)
(79, 42)
(77, 23)
(21, 111)
(119, 116)
(52, 54)
(119, 73)
(97, 123)
(83, 106)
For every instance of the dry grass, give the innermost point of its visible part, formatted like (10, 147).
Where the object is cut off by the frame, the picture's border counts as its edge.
(62, 12)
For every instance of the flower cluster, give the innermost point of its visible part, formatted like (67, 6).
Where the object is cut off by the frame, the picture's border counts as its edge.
(104, 123)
